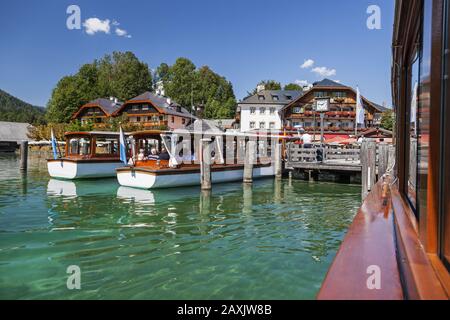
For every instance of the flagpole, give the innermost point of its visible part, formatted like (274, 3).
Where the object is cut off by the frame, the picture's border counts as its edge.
(55, 146)
(356, 113)
(122, 146)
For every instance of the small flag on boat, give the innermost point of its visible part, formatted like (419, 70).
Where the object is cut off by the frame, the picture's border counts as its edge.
(54, 147)
(123, 147)
(359, 108)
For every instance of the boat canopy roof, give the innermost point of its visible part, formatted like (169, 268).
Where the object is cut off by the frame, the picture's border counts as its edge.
(93, 133)
(152, 133)
(147, 133)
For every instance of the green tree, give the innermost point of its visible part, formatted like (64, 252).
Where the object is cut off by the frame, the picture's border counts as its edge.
(162, 72)
(66, 99)
(292, 86)
(181, 81)
(120, 75)
(130, 77)
(188, 86)
(388, 120)
(268, 85)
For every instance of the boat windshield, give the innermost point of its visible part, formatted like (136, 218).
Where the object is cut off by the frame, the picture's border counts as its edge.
(106, 146)
(148, 148)
(79, 146)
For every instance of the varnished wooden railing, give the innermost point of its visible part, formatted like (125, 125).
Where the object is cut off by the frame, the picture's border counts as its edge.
(381, 257)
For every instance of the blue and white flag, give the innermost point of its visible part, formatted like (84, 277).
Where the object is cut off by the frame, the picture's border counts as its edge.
(359, 108)
(54, 147)
(123, 147)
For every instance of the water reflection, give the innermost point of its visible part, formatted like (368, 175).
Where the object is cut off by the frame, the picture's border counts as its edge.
(73, 189)
(270, 240)
(247, 198)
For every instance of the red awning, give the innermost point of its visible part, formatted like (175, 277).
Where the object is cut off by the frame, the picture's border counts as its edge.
(335, 137)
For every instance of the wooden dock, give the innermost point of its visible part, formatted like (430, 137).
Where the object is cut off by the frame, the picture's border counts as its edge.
(359, 163)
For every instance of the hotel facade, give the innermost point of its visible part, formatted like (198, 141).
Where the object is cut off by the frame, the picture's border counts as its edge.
(340, 117)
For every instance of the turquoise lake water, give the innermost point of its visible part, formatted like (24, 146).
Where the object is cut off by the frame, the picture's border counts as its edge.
(274, 240)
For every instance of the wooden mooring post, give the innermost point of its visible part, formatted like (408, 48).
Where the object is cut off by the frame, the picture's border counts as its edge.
(205, 164)
(250, 153)
(24, 155)
(391, 160)
(383, 159)
(368, 166)
(278, 161)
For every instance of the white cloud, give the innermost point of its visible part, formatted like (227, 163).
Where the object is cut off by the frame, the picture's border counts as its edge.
(122, 33)
(324, 71)
(302, 82)
(307, 64)
(94, 25)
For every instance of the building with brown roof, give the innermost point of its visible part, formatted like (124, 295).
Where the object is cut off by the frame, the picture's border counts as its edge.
(341, 115)
(98, 111)
(155, 111)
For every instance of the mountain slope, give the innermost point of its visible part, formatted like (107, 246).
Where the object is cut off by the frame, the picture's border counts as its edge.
(15, 110)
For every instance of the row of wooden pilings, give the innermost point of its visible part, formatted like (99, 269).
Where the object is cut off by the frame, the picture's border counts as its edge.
(371, 168)
(250, 160)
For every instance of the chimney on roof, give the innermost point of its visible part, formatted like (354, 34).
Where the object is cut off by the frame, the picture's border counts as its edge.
(169, 101)
(199, 110)
(116, 100)
(260, 87)
(111, 98)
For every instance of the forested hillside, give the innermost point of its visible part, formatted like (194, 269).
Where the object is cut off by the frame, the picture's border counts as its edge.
(15, 110)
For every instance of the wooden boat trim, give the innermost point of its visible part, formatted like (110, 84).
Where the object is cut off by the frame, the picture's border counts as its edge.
(370, 241)
(419, 277)
(384, 235)
(186, 170)
(87, 160)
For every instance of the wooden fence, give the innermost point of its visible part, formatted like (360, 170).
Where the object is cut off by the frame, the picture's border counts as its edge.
(369, 158)
(296, 153)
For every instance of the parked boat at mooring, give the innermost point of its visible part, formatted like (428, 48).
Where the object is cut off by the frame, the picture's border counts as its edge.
(162, 170)
(87, 155)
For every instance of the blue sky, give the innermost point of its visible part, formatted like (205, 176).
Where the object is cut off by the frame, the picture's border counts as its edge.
(246, 41)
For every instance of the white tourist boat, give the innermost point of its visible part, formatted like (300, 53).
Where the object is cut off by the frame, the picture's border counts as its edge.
(156, 174)
(87, 155)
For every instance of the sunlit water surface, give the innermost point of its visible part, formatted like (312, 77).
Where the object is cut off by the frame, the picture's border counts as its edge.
(273, 241)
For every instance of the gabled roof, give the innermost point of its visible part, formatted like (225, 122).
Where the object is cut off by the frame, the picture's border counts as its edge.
(224, 123)
(206, 125)
(108, 106)
(163, 104)
(328, 83)
(284, 97)
(158, 101)
(375, 130)
(380, 107)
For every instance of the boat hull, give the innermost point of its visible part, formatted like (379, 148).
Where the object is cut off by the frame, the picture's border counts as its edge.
(67, 169)
(149, 179)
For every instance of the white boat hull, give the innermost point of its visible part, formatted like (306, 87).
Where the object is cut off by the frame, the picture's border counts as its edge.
(141, 179)
(66, 169)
